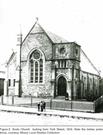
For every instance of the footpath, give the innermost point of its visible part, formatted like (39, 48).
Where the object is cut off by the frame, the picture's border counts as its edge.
(50, 112)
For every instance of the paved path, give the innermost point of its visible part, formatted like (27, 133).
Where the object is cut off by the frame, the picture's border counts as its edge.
(70, 114)
(23, 106)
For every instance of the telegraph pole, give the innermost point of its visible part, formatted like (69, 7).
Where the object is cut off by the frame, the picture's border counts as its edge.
(20, 44)
(20, 90)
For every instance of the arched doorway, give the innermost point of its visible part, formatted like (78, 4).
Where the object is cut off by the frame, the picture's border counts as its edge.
(62, 86)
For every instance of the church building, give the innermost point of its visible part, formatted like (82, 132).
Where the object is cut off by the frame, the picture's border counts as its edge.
(50, 66)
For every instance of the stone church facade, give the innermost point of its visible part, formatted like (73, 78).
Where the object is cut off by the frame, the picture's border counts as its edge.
(50, 67)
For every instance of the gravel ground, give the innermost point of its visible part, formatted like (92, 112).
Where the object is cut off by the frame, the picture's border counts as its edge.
(11, 118)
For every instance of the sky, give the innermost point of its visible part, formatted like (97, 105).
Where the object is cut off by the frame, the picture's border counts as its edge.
(75, 20)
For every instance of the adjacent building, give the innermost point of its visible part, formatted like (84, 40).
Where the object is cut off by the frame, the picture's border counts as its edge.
(2, 79)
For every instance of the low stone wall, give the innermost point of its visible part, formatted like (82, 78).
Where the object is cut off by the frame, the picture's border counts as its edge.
(74, 106)
(83, 106)
(56, 104)
(8, 100)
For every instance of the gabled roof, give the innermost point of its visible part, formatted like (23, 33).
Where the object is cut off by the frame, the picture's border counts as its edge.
(11, 57)
(87, 65)
(37, 29)
(55, 38)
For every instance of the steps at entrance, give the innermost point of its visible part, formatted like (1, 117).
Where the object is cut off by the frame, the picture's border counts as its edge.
(60, 97)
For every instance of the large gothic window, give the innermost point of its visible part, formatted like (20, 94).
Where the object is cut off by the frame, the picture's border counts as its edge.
(36, 67)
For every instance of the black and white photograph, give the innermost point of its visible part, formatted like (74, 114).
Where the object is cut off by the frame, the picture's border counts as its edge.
(51, 67)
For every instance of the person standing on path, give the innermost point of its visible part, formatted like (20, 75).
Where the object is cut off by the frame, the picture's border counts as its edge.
(44, 105)
(39, 106)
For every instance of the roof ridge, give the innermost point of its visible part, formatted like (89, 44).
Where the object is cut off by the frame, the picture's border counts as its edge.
(46, 33)
(29, 31)
(11, 56)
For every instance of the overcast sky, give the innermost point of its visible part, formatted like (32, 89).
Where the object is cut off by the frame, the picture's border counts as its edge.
(74, 20)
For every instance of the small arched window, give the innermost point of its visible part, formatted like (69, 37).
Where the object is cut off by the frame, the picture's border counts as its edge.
(36, 67)
(31, 71)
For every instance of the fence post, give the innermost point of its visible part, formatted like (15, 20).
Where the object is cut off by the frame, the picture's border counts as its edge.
(51, 103)
(31, 100)
(94, 106)
(12, 100)
(2, 100)
(71, 105)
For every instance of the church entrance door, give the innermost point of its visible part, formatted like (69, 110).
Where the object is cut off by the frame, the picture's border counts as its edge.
(62, 86)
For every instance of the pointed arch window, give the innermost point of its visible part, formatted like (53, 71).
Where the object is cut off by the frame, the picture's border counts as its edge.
(31, 71)
(41, 71)
(36, 72)
(36, 67)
